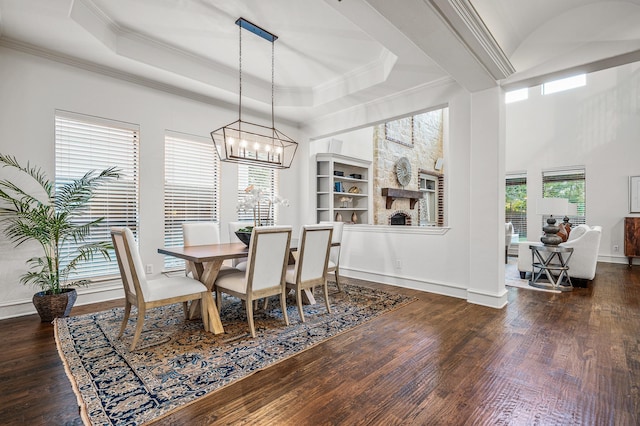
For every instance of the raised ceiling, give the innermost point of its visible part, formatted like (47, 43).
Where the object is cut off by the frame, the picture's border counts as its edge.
(331, 55)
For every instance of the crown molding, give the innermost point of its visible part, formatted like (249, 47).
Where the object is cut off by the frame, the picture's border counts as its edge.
(466, 23)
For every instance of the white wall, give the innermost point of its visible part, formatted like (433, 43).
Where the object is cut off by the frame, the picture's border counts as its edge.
(32, 88)
(433, 259)
(596, 126)
(436, 260)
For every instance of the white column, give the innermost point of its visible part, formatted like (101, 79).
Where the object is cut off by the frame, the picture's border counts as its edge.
(486, 199)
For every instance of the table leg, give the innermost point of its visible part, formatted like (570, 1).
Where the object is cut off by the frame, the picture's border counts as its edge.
(307, 297)
(206, 273)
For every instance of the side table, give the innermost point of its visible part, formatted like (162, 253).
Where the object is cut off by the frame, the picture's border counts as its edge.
(557, 273)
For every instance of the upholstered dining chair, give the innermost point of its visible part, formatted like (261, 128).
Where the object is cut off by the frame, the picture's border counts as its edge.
(334, 255)
(310, 269)
(202, 234)
(264, 277)
(240, 263)
(147, 294)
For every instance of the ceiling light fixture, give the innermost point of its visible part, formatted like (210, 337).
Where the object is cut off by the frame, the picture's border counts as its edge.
(249, 143)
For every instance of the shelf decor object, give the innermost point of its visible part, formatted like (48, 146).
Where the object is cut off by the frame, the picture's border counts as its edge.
(244, 142)
(550, 207)
(403, 171)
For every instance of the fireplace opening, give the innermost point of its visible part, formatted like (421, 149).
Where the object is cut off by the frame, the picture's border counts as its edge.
(400, 218)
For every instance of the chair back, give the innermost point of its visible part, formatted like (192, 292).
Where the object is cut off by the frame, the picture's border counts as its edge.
(314, 251)
(334, 254)
(129, 262)
(200, 233)
(233, 227)
(268, 257)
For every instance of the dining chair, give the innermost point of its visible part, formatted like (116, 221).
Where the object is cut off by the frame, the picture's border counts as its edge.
(147, 294)
(334, 255)
(264, 277)
(202, 234)
(310, 269)
(240, 263)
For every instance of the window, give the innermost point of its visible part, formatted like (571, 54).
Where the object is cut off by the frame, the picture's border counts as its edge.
(564, 84)
(259, 177)
(570, 184)
(190, 187)
(516, 95)
(428, 205)
(516, 203)
(86, 143)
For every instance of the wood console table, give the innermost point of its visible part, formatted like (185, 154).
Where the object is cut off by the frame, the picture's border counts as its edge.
(631, 238)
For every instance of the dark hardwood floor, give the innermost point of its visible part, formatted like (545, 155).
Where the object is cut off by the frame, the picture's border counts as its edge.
(546, 359)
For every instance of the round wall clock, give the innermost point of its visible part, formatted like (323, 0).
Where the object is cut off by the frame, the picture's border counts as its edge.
(403, 171)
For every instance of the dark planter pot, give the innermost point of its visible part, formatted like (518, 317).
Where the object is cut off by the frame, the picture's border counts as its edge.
(245, 237)
(50, 306)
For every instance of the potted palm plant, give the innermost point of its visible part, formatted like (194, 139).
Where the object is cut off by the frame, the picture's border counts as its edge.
(49, 216)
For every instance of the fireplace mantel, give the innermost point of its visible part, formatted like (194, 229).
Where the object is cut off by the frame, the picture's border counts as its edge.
(396, 193)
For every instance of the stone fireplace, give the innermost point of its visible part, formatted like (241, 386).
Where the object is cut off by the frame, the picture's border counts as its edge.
(400, 218)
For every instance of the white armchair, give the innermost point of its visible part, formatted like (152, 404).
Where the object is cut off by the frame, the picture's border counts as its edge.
(585, 241)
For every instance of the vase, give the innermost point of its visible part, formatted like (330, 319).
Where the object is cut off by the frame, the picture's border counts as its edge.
(50, 306)
(338, 217)
(354, 218)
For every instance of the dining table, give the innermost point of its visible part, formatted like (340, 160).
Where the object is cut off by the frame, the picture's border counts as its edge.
(205, 263)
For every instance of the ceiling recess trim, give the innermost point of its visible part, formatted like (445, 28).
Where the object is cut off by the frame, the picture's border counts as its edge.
(463, 20)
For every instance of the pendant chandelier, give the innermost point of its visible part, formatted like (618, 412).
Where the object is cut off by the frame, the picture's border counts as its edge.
(249, 143)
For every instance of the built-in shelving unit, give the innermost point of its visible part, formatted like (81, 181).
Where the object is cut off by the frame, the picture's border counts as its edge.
(337, 198)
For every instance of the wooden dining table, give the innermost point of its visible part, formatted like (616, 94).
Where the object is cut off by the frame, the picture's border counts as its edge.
(205, 262)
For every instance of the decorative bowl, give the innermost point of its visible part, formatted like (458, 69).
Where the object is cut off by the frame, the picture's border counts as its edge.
(244, 236)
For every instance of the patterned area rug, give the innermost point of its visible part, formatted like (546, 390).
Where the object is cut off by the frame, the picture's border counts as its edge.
(176, 362)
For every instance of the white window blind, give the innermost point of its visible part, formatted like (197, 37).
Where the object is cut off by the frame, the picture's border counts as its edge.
(85, 143)
(259, 177)
(190, 187)
(570, 184)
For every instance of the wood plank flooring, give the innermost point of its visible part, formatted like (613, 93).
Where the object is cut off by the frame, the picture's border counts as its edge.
(562, 359)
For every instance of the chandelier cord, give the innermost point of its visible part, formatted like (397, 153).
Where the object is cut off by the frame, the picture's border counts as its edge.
(273, 61)
(240, 68)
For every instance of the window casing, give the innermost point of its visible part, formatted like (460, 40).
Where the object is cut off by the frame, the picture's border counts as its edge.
(570, 184)
(259, 177)
(84, 143)
(191, 187)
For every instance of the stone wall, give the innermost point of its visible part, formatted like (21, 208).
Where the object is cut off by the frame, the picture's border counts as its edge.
(420, 140)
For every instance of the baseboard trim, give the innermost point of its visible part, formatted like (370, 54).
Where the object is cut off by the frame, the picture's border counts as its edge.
(443, 289)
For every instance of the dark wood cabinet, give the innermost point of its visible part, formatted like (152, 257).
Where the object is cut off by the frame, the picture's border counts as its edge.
(631, 238)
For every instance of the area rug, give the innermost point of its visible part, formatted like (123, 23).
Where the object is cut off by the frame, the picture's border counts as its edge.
(176, 361)
(512, 278)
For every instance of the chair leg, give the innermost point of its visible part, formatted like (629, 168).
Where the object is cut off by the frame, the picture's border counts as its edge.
(139, 323)
(299, 301)
(337, 279)
(185, 309)
(326, 295)
(252, 328)
(127, 311)
(283, 305)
